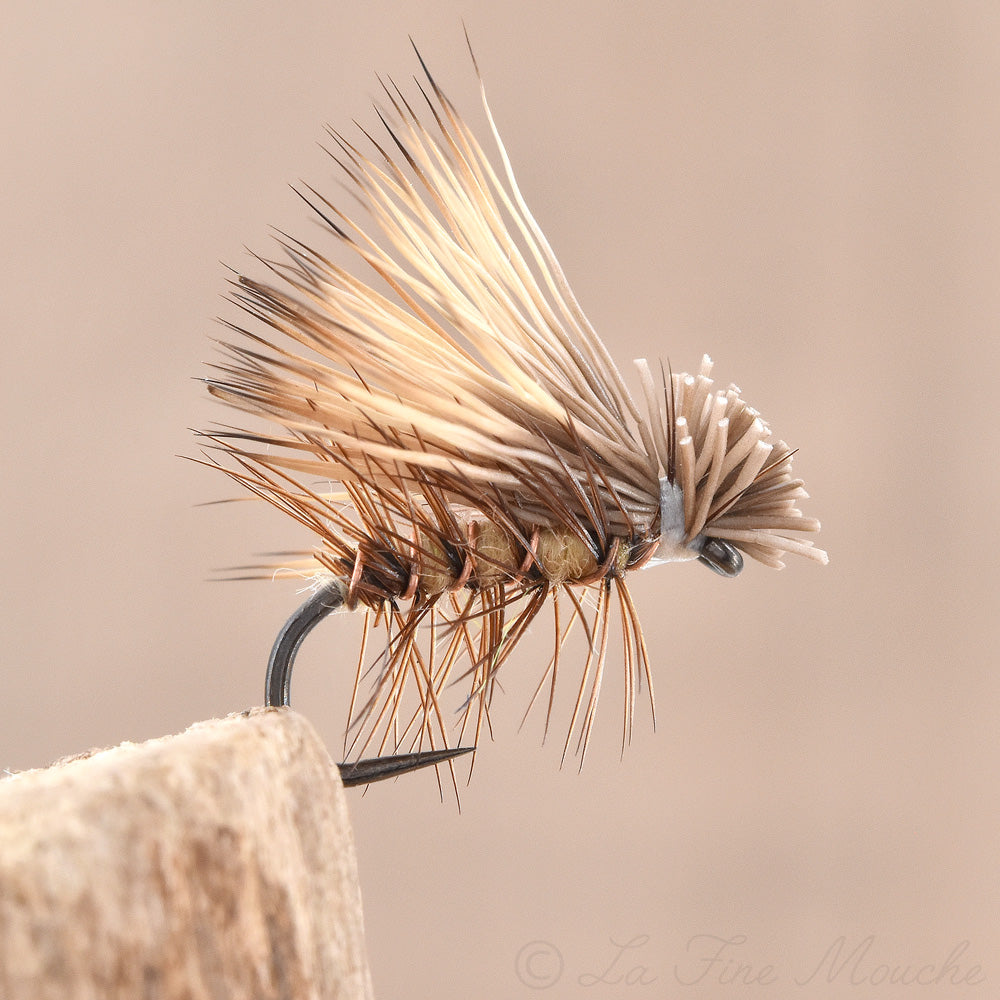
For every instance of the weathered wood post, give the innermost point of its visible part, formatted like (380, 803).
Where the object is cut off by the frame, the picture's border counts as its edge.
(216, 863)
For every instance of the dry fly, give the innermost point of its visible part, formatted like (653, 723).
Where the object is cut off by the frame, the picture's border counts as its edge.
(480, 456)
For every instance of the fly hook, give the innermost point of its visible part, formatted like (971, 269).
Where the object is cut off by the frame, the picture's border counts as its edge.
(277, 690)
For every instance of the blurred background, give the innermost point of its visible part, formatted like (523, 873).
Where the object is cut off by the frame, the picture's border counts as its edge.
(806, 191)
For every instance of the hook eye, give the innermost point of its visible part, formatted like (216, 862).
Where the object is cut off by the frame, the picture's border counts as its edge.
(721, 556)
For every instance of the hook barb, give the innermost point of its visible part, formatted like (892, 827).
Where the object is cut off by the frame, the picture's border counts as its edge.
(364, 772)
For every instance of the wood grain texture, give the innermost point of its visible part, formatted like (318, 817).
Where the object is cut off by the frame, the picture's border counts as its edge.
(216, 863)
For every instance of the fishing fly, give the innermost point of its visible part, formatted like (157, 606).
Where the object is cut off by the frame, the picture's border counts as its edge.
(459, 441)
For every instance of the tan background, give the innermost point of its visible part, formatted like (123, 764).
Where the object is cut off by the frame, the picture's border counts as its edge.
(806, 191)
